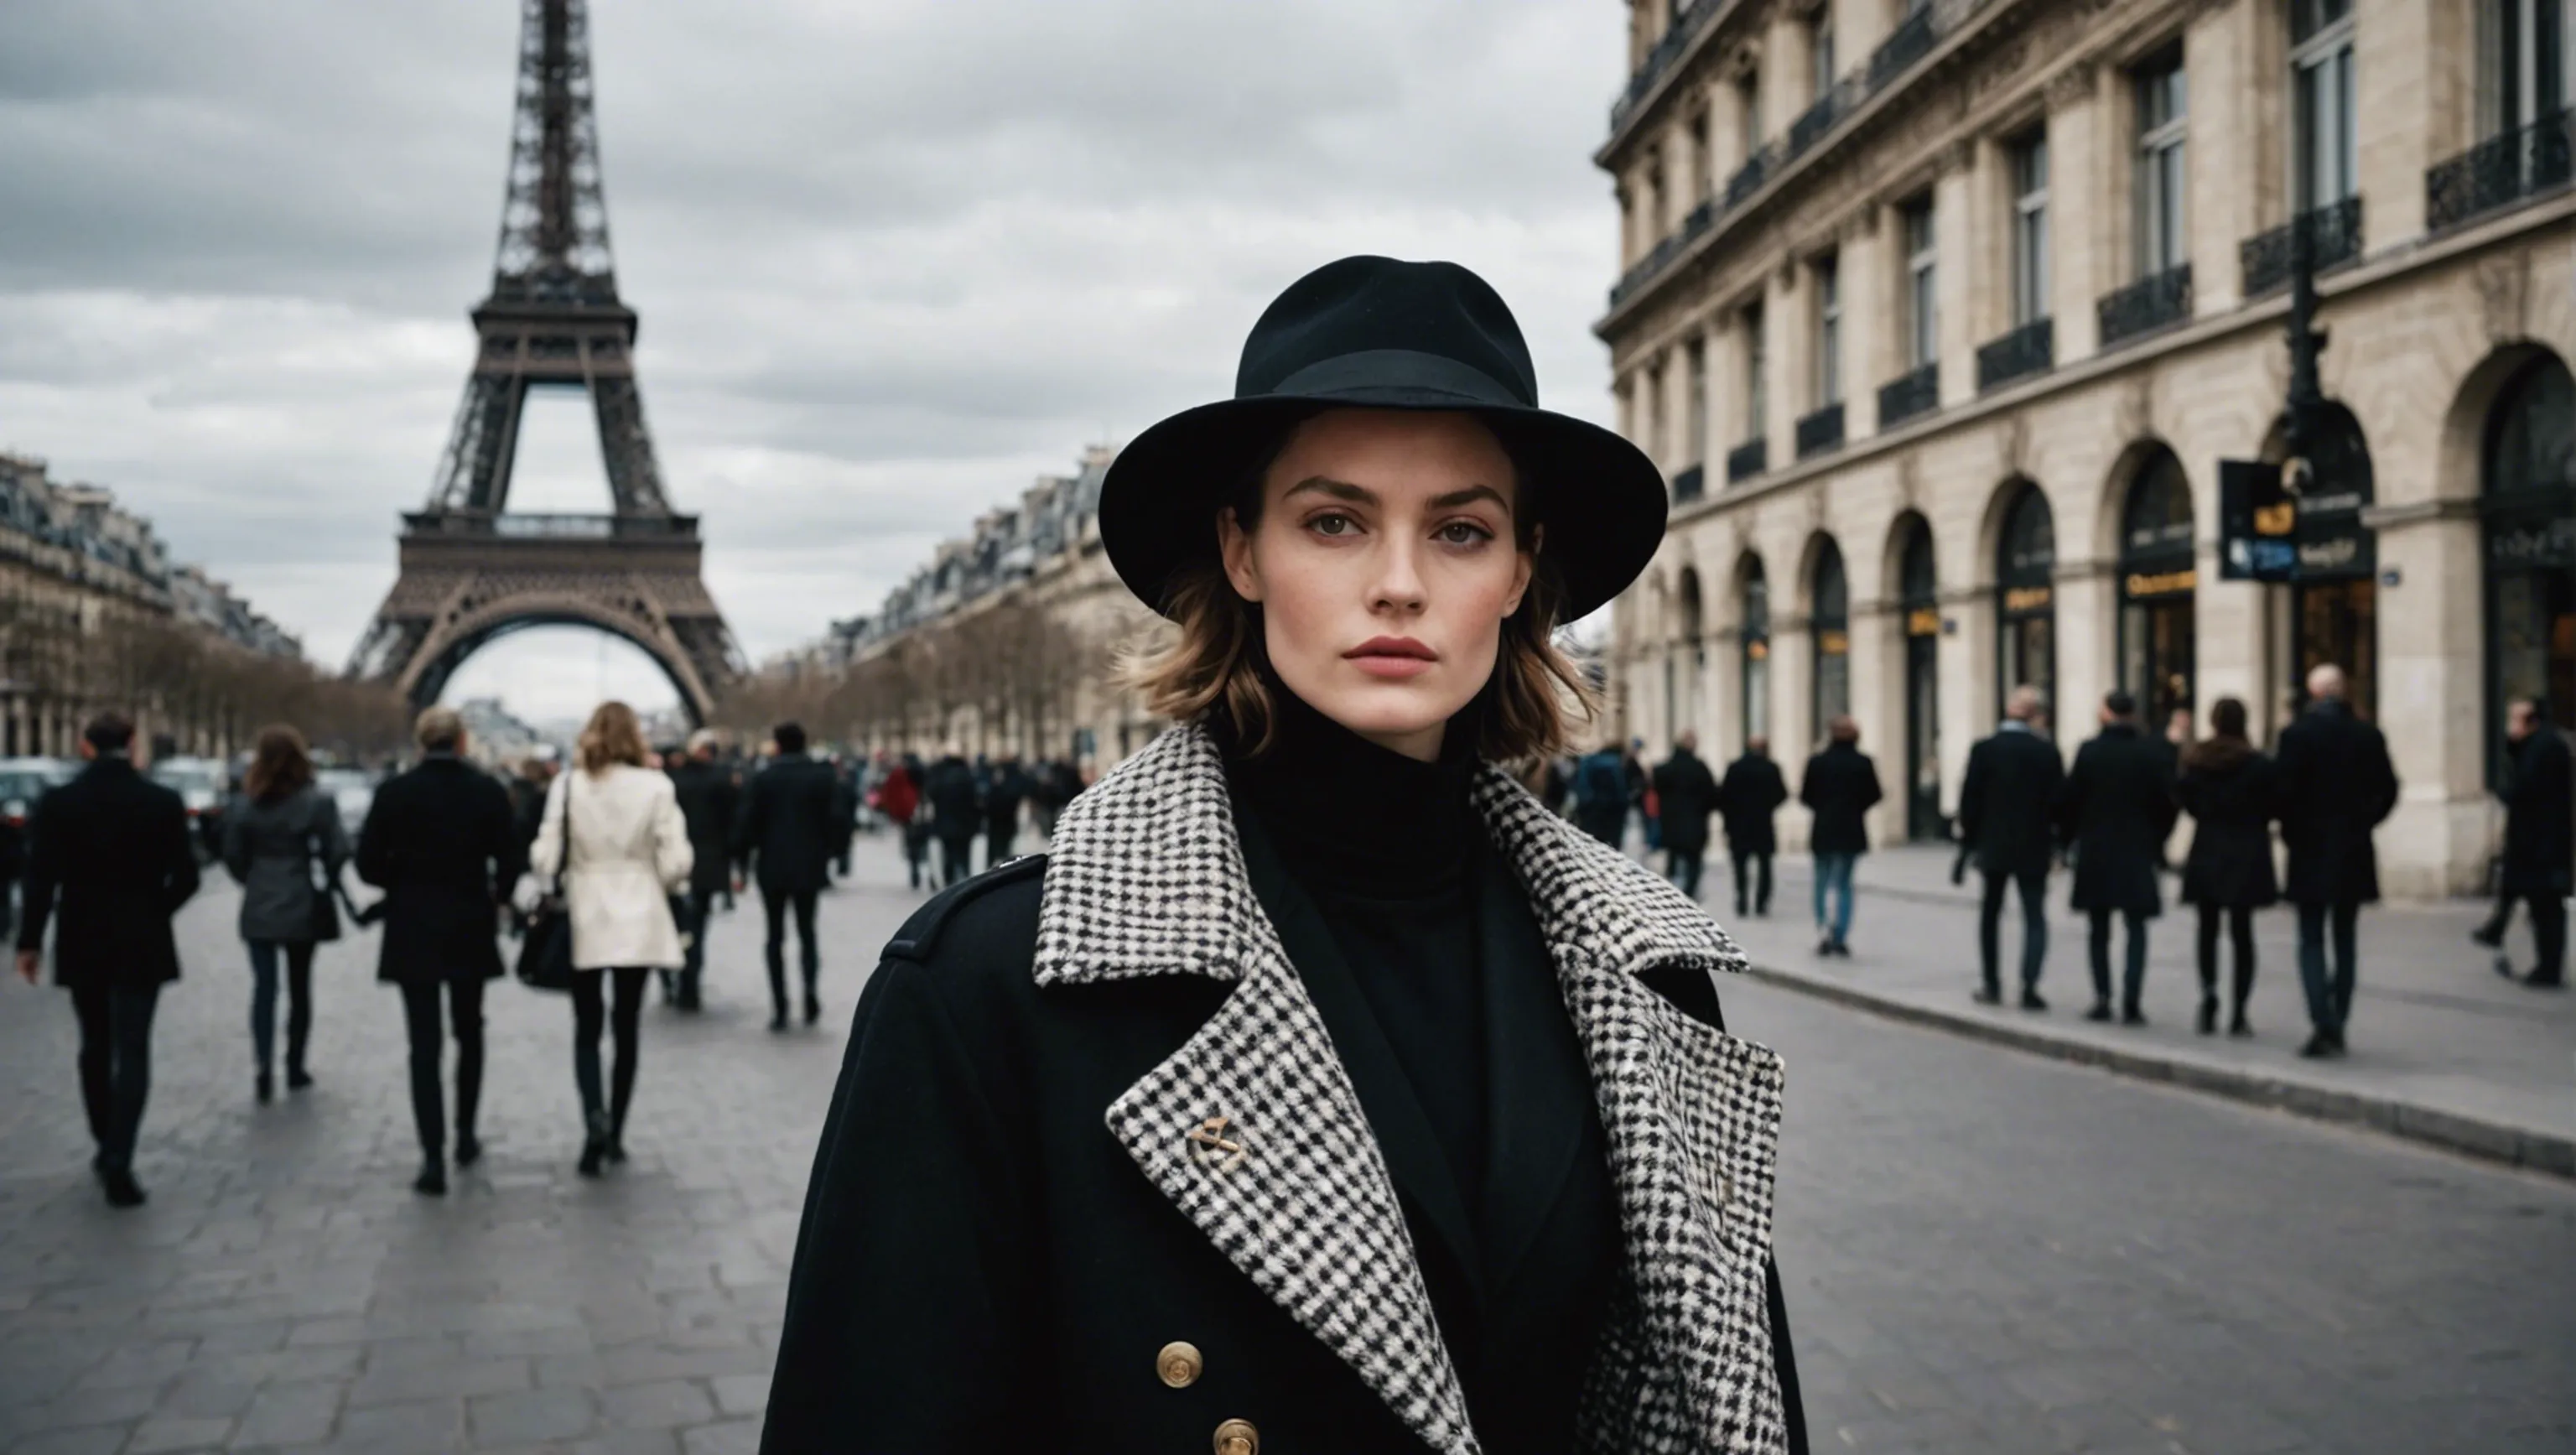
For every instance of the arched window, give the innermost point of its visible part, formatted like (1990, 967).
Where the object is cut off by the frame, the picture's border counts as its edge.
(2156, 584)
(2335, 602)
(2026, 600)
(1688, 652)
(1919, 605)
(2528, 500)
(1755, 662)
(1829, 632)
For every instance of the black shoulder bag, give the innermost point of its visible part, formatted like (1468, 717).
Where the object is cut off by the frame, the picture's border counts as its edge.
(545, 951)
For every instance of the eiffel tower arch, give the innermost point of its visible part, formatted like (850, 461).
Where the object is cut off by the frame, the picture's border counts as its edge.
(472, 571)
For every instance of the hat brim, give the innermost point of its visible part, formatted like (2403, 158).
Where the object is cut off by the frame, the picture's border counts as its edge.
(1600, 500)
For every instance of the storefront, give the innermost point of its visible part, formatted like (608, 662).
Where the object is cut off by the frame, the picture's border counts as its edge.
(2528, 506)
(1755, 662)
(2334, 611)
(2157, 577)
(2026, 602)
(1829, 629)
(1919, 616)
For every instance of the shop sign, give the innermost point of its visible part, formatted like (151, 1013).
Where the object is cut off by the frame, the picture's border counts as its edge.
(1757, 650)
(1923, 621)
(2021, 599)
(2258, 523)
(2533, 543)
(1833, 643)
(2160, 583)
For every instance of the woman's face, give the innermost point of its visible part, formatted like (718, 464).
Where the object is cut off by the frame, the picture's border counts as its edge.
(1385, 561)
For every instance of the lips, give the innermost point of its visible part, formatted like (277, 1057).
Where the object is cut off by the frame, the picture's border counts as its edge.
(1393, 657)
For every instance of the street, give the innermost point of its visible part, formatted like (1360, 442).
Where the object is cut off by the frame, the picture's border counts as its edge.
(1984, 1250)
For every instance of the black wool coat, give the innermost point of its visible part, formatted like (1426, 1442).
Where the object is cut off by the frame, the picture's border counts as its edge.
(785, 828)
(1840, 785)
(2337, 784)
(1685, 795)
(2540, 816)
(2008, 802)
(2117, 808)
(709, 801)
(2231, 792)
(442, 843)
(1095, 1170)
(1752, 792)
(1004, 792)
(108, 855)
(956, 800)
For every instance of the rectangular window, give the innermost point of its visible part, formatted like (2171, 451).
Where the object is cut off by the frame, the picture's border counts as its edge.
(2030, 229)
(2522, 63)
(1922, 286)
(1757, 369)
(1695, 408)
(1703, 166)
(1820, 53)
(1654, 422)
(1748, 100)
(1829, 331)
(2321, 102)
(2163, 218)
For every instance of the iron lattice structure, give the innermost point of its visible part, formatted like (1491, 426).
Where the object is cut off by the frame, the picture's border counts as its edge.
(470, 571)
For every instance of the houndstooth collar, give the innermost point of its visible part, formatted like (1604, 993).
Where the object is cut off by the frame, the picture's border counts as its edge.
(1254, 1132)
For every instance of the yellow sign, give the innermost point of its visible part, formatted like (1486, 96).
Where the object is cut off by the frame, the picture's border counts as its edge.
(2276, 520)
(2162, 583)
(2027, 598)
(1757, 649)
(1834, 643)
(1923, 621)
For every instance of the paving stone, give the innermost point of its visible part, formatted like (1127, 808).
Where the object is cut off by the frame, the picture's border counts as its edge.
(290, 1414)
(462, 1377)
(530, 1416)
(733, 1437)
(664, 1405)
(164, 1434)
(420, 1428)
(93, 1440)
(741, 1394)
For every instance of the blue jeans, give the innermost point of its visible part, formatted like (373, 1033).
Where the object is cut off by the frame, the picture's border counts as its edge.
(1683, 870)
(2329, 993)
(1834, 875)
(263, 1002)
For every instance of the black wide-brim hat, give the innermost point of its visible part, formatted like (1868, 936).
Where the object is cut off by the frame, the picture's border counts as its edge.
(1375, 333)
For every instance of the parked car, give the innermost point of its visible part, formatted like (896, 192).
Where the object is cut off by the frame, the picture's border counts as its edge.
(203, 785)
(24, 780)
(352, 791)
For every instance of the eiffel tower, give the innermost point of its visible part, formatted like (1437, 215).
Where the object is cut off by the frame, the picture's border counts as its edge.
(472, 571)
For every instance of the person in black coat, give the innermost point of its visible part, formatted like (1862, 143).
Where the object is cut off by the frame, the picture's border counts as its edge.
(2115, 812)
(1006, 787)
(845, 813)
(785, 833)
(956, 813)
(1685, 794)
(2337, 785)
(440, 841)
(109, 854)
(2008, 822)
(2230, 790)
(709, 802)
(1839, 787)
(2539, 841)
(1747, 798)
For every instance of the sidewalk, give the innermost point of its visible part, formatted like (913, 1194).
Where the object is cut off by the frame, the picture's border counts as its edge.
(2443, 1049)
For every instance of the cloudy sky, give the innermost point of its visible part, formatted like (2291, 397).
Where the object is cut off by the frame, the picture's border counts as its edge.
(894, 258)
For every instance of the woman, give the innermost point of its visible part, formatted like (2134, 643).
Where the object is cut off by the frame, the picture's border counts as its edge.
(1319, 1089)
(2231, 792)
(273, 839)
(629, 853)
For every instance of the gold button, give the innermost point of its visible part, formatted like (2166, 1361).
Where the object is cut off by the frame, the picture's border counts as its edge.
(1179, 1364)
(1237, 1437)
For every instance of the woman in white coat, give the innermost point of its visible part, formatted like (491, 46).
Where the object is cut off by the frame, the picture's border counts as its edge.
(629, 853)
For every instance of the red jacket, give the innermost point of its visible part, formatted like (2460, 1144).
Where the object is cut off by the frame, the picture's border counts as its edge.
(898, 796)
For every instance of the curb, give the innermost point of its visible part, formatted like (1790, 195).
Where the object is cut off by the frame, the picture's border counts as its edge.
(2524, 1147)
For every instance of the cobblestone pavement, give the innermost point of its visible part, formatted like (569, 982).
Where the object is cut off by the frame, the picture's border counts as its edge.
(1985, 1251)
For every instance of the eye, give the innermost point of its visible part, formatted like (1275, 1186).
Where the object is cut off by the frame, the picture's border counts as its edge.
(1332, 524)
(1462, 533)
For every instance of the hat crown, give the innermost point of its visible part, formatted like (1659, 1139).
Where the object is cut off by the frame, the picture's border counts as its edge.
(1364, 304)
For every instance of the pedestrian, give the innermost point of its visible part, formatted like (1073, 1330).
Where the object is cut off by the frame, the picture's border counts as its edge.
(528, 799)
(2008, 823)
(1284, 954)
(109, 856)
(1006, 787)
(1748, 801)
(1838, 788)
(614, 834)
(2539, 841)
(2230, 790)
(845, 813)
(785, 834)
(709, 801)
(1051, 788)
(1602, 794)
(440, 842)
(1686, 794)
(899, 799)
(275, 837)
(956, 813)
(2114, 814)
(2337, 785)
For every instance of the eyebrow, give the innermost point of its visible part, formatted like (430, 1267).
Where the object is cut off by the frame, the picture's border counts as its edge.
(1362, 495)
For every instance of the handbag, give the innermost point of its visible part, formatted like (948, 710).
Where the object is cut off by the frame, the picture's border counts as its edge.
(545, 950)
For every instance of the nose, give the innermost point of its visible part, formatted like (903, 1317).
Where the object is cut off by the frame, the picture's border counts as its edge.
(1398, 584)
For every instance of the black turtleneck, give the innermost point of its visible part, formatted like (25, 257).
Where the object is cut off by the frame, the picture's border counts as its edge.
(1385, 846)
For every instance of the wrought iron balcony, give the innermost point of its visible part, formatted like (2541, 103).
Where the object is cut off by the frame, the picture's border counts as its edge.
(1911, 41)
(2512, 167)
(1814, 122)
(2334, 239)
(1701, 219)
(1688, 485)
(2027, 350)
(1821, 431)
(1686, 26)
(1748, 179)
(2148, 304)
(1909, 394)
(1748, 459)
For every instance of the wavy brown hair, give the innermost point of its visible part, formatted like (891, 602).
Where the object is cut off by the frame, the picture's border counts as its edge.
(613, 736)
(279, 766)
(1216, 661)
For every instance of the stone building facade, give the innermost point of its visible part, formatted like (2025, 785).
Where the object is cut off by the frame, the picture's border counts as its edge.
(1941, 317)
